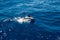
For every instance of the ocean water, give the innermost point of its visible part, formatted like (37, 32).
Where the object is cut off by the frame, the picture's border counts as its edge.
(45, 12)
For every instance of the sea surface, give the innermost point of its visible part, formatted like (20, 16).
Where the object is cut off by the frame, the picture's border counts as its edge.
(45, 12)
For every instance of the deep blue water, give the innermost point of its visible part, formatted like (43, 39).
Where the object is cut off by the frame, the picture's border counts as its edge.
(45, 12)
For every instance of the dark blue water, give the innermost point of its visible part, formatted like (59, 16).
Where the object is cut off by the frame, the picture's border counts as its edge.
(45, 12)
